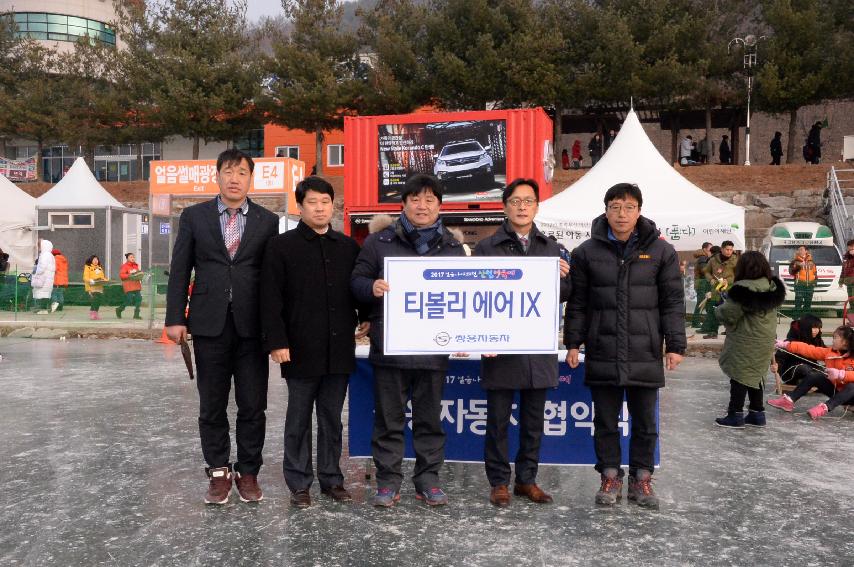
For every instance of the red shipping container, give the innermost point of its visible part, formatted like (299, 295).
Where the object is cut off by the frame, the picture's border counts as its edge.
(475, 153)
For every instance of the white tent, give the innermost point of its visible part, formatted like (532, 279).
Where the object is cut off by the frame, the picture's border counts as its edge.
(686, 215)
(78, 188)
(17, 218)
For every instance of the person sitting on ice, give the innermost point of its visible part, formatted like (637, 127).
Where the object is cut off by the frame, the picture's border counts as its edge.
(836, 382)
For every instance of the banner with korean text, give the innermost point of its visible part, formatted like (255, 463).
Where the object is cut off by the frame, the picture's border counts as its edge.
(567, 420)
(272, 176)
(502, 304)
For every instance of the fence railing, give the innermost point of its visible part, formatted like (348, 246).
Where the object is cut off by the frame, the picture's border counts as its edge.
(72, 304)
(838, 181)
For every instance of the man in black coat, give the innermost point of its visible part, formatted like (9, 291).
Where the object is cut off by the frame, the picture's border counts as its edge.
(531, 374)
(418, 232)
(223, 240)
(627, 302)
(308, 315)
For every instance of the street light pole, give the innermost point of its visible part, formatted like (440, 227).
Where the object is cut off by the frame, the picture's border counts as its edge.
(749, 44)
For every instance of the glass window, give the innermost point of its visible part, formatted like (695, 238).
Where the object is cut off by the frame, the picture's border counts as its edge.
(57, 19)
(335, 155)
(20, 18)
(36, 27)
(287, 151)
(822, 255)
(37, 17)
(58, 219)
(72, 21)
(37, 35)
(57, 37)
(78, 31)
(71, 220)
(57, 28)
(81, 219)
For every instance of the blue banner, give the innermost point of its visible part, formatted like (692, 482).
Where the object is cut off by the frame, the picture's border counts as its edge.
(567, 422)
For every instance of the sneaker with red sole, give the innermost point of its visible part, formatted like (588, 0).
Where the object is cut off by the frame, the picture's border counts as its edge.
(784, 403)
(433, 496)
(817, 411)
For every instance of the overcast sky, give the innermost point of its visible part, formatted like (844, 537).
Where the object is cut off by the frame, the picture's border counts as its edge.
(259, 8)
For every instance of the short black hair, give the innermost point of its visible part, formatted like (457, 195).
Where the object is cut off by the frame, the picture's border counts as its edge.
(316, 184)
(850, 242)
(715, 249)
(129, 254)
(421, 182)
(233, 156)
(623, 190)
(726, 243)
(92, 257)
(508, 191)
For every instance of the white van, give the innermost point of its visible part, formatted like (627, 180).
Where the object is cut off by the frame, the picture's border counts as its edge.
(779, 248)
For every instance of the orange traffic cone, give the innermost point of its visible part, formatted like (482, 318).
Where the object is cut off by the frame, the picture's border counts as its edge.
(164, 339)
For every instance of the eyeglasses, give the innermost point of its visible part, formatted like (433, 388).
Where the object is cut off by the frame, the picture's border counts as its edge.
(517, 202)
(617, 208)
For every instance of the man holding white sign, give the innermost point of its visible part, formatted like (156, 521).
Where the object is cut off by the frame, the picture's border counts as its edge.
(418, 232)
(531, 374)
(627, 303)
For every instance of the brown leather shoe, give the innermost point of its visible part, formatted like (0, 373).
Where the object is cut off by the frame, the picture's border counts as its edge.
(247, 487)
(500, 495)
(300, 499)
(337, 493)
(533, 492)
(219, 485)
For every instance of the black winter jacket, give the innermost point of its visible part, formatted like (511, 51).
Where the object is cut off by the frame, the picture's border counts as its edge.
(520, 371)
(623, 308)
(392, 242)
(306, 303)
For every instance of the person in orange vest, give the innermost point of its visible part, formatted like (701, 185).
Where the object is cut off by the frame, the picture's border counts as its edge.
(804, 271)
(131, 286)
(60, 281)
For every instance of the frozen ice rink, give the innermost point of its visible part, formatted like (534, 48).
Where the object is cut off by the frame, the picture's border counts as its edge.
(102, 466)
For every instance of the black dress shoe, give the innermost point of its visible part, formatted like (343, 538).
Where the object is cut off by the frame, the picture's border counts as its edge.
(300, 499)
(710, 336)
(337, 493)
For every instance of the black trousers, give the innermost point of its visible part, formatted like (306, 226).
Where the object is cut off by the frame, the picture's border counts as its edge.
(608, 403)
(818, 380)
(392, 388)
(326, 393)
(499, 404)
(217, 360)
(737, 394)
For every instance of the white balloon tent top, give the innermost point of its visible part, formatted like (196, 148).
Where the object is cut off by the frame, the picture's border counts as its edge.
(78, 188)
(686, 215)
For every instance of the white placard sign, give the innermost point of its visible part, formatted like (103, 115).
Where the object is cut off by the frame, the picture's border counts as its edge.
(484, 304)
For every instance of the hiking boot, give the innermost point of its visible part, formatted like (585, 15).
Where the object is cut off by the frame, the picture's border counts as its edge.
(755, 419)
(610, 492)
(817, 411)
(385, 498)
(533, 492)
(500, 495)
(247, 487)
(337, 493)
(734, 420)
(433, 496)
(784, 403)
(119, 312)
(640, 490)
(219, 485)
(301, 498)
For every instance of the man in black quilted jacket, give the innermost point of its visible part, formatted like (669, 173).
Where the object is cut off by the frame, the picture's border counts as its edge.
(627, 307)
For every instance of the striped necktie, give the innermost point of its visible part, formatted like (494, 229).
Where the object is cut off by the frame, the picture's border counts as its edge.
(523, 240)
(232, 234)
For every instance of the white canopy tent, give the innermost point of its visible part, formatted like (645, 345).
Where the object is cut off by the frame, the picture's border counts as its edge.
(686, 215)
(17, 219)
(78, 188)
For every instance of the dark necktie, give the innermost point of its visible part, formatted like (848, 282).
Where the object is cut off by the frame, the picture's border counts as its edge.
(232, 234)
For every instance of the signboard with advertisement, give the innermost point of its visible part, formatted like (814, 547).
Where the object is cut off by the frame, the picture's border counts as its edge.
(18, 171)
(478, 304)
(567, 419)
(470, 157)
(272, 176)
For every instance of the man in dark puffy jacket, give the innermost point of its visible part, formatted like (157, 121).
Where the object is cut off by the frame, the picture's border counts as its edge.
(627, 303)
(418, 232)
(531, 374)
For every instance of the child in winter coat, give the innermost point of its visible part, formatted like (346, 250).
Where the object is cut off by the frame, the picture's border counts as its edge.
(837, 380)
(93, 283)
(749, 314)
(793, 368)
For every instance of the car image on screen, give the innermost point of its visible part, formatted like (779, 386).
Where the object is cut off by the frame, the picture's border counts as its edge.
(462, 159)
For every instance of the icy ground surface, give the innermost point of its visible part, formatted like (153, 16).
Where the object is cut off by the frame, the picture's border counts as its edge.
(101, 466)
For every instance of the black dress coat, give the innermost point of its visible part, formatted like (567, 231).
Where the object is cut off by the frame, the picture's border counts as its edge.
(219, 279)
(624, 308)
(392, 242)
(306, 303)
(520, 371)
